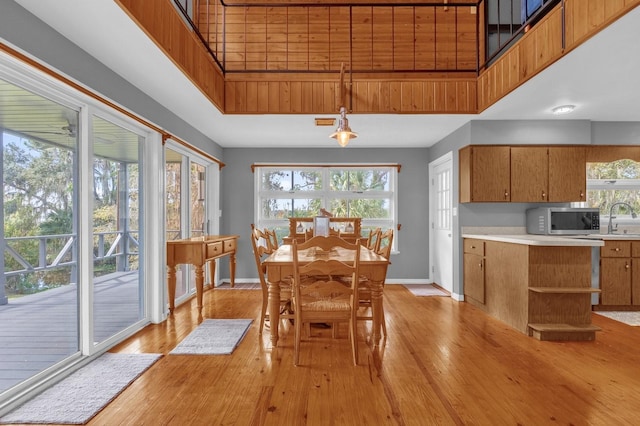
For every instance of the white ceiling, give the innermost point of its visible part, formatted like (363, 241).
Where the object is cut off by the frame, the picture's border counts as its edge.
(599, 77)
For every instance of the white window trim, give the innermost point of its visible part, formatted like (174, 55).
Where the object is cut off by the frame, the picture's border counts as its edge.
(326, 194)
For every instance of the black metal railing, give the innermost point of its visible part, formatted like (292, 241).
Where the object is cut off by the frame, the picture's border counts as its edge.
(505, 22)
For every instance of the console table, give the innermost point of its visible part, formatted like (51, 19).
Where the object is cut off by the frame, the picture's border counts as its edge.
(197, 251)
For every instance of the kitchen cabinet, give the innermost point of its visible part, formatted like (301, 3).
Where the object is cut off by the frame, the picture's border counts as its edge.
(619, 274)
(523, 173)
(529, 174)
(474, 269)
(543, 291)
(567, 173)
(484, 173)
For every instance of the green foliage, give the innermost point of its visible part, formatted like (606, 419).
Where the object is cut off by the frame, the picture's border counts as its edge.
(614, 172)
(38, 186)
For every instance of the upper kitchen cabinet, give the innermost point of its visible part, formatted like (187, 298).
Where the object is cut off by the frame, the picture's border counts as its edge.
(485, 173)
(529, 174)
(567, 173)
(548, 174)
(523, 173)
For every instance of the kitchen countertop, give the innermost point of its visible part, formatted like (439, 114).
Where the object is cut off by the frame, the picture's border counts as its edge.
(543, 240)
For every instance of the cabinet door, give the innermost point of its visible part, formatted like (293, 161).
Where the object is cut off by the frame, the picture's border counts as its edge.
(615, 281)
(474, 277)
(485, 173)
(529, 174)
(635, 281)
(567, 174)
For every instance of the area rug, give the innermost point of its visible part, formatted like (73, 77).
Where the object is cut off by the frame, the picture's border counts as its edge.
(425, 290)
(80, 396)
(627, 317)
(214, 337)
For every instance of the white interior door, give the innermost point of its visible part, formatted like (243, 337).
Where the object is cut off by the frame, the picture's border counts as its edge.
(440, 217)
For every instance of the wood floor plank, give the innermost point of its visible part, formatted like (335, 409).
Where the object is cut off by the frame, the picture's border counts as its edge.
(444, 362)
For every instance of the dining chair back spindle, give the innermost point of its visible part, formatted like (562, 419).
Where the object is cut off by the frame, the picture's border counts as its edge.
(383, 245)
(318, 297)
(374, 237)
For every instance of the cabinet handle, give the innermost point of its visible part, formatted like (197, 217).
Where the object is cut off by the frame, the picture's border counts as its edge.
(506, 194)
(626, 266)
(616, 249)
(544, 195)
(473, 247)
(581, 195)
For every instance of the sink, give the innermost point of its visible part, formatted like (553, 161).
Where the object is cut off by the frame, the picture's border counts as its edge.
(620, 236)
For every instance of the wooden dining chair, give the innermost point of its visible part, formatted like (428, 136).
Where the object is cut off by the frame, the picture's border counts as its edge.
(262, 248)
(317, 297)
(308, 234)
(374, 236)
(384, 244)
(272, 238)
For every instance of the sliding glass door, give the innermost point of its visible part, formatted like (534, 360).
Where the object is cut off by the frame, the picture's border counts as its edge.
(188, 178)
(39, 284)
(73, 234)
(117, 222)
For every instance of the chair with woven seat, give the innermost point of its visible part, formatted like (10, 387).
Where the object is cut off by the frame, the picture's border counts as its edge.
(383, 248)
(262, 248)
(318, 298)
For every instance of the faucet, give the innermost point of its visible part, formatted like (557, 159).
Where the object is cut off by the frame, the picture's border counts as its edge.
(610, 226)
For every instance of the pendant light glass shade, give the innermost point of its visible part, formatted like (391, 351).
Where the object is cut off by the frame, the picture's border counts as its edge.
(343, 133)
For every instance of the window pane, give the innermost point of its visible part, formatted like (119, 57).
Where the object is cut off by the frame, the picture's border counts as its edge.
(38, 286)
(283, 208)
(288, 180)
(362, 207)
(359, 180)
(609, 183)
(117, 276)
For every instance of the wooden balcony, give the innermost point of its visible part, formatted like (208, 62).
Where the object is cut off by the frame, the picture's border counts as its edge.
(41, 329)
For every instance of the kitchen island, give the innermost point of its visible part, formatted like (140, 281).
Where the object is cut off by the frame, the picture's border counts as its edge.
(537, 284)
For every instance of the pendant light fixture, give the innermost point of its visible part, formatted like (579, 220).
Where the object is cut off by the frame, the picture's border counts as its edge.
(343, 133)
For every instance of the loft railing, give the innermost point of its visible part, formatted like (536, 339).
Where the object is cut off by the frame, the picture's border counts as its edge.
(507, 21)
(318, 38)
(228, 32)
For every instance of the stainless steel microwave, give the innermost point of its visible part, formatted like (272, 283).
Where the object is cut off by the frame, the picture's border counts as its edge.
(563, 221)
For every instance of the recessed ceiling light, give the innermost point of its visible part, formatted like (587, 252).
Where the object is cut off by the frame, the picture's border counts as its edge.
(563, 109)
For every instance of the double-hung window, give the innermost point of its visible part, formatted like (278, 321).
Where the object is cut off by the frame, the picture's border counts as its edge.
(283, 191)
(615, 182)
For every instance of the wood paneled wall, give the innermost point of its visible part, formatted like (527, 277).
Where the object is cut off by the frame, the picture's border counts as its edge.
(274, 94)
(310, 43)
(320, 38)
(163, 24)
(542, 45)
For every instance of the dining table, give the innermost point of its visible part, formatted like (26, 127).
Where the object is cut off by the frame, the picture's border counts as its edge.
(279, 270)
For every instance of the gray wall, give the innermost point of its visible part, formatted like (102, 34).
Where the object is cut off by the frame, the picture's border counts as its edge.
(514, 132)
(237, 200)
(23, 30)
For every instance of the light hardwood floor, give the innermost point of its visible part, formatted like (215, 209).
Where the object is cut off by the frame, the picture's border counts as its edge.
(444, 363)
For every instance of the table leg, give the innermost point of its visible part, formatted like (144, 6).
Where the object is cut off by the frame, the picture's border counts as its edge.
(376, 309)
(212, 272)
(171, 284)
(199, 286)
(232, 268)
(274, 311)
